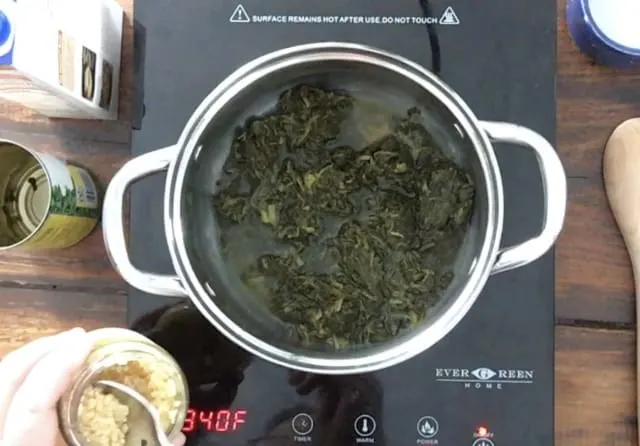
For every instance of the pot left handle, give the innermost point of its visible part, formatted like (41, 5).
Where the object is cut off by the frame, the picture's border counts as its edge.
(113, 224)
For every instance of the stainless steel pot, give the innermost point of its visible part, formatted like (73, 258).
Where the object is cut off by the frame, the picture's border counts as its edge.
(192, 165)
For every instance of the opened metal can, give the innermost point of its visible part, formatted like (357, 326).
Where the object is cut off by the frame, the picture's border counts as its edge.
(44, 202)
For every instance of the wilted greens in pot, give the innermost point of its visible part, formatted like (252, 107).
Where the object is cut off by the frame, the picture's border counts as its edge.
(344, 218)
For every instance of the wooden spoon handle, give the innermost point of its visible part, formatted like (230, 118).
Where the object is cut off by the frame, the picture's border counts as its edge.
(621, 171)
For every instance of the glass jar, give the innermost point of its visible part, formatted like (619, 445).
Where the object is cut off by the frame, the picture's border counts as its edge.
(112, 347)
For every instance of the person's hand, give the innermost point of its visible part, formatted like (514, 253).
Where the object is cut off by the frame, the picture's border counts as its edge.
(32, 380)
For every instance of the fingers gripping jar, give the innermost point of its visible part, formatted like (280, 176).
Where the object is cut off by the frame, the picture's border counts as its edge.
(90, 416)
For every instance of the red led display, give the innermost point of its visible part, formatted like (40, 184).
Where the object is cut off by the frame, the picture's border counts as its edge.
(214, 421)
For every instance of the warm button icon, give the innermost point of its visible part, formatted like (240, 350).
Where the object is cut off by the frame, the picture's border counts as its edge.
(427, 427)
(364, 425)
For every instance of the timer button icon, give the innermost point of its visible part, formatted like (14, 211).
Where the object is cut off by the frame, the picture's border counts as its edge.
(365, 425)
(302, 424)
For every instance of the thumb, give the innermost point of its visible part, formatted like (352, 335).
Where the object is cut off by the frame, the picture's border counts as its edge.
(180, 440)
(32, 417)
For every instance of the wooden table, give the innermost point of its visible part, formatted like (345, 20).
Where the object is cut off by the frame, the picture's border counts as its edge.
(595, 341)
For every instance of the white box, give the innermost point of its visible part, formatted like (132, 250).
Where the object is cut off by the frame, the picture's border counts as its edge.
(62, 57)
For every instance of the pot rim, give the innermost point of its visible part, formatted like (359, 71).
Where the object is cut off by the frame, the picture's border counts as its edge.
(203, 297)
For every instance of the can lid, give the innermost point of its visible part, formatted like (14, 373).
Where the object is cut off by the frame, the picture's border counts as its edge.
(33, 199)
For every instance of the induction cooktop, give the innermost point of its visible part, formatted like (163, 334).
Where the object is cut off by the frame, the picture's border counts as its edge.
(490, 381)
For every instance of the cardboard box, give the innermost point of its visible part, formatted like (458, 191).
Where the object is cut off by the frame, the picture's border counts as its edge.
(62, 57)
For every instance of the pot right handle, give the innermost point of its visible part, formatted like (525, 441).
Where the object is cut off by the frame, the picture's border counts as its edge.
(113, 220)
(554, 184)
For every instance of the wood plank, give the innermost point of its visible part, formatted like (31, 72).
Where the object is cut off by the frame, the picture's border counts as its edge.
(19, 119)
(593, 273)
(595, 387)
(100, 146)
(27, 314)
(593, 280)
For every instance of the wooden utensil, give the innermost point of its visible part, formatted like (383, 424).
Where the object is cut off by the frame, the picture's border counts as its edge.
(621, 171)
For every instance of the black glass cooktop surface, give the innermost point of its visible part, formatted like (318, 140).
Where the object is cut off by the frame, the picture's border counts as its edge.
(490, 381)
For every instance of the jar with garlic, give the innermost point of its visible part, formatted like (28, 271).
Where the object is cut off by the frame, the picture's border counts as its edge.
(91, 416)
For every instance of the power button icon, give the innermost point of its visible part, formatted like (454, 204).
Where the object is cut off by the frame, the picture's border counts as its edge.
(427, 427)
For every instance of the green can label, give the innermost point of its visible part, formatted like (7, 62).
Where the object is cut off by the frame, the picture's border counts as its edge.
(73, 211)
